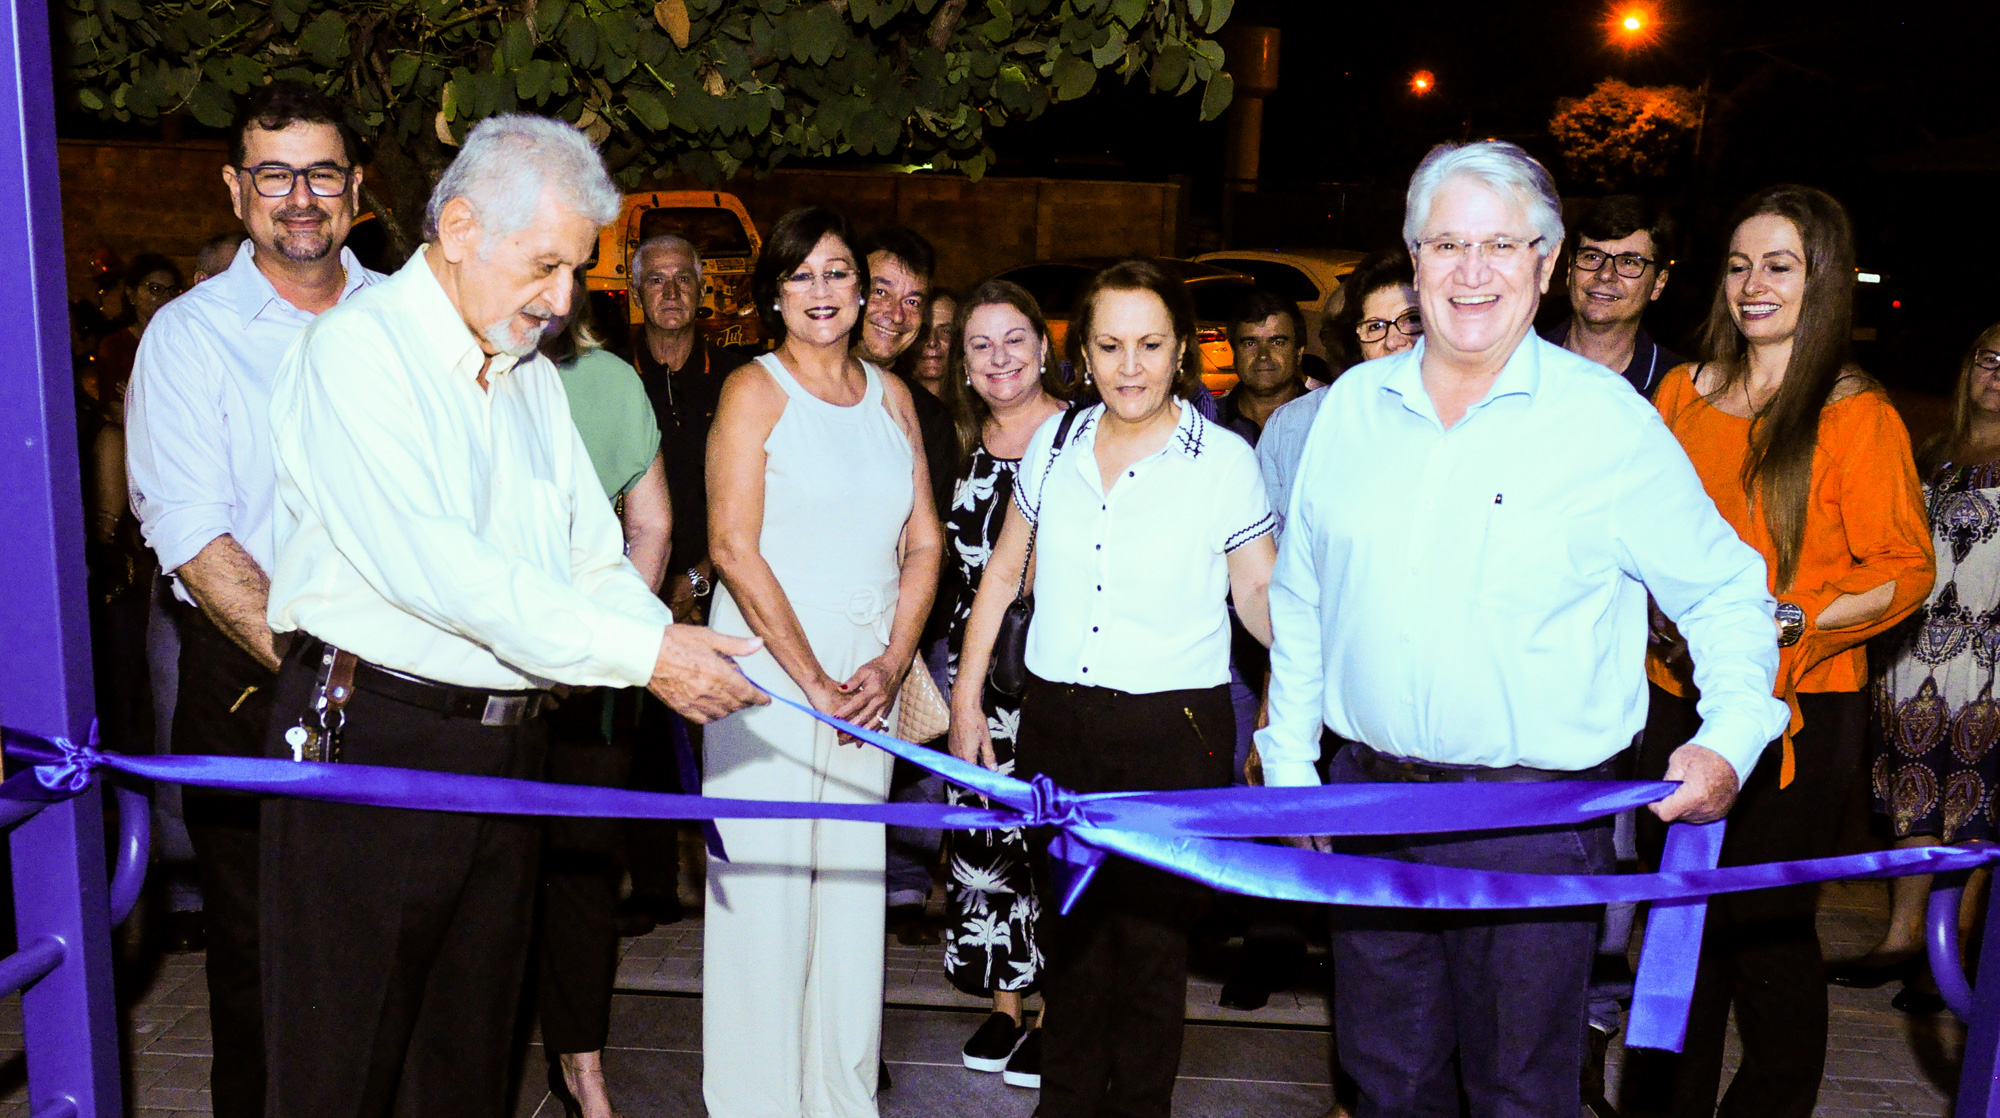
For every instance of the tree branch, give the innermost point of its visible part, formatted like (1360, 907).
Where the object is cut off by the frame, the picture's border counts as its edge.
(944, 23)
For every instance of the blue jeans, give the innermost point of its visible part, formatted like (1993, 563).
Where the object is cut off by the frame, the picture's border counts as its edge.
(1505, 990)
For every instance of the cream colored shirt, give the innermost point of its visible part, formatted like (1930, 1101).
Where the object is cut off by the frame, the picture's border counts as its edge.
(437, 529)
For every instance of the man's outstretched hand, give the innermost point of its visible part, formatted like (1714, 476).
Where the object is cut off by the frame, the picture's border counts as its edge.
(696, 676)
(1708, 786)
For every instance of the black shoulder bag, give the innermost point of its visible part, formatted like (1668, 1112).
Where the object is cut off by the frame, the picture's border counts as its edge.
(1008, 672)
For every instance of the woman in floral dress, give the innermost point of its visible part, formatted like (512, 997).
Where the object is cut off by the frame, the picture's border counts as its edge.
(1935, 764)
(1003, 386)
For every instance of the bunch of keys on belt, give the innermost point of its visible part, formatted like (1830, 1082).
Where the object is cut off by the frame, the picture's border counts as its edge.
(317, 736)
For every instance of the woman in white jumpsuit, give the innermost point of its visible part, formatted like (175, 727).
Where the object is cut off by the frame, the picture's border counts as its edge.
(823, 552)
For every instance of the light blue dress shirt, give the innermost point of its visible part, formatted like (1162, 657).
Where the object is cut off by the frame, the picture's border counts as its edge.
(1281, 444)
(1477, 596)
(198, 423)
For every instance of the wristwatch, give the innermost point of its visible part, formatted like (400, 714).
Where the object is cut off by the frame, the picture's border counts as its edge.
(1791, 624)
(699, 583)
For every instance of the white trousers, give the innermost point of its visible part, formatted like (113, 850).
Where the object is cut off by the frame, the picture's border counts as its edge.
(792, 945)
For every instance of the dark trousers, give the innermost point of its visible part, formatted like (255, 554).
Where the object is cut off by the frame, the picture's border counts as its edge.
(1116, 979)
(1759, 951)
(225, 707)
(397, 940)
(576, 957)
(1504, 990)
(652, 846)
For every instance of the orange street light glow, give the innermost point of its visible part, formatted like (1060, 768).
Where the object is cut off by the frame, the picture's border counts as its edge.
(1634, 23)
(1422, 81)
(1631, 26)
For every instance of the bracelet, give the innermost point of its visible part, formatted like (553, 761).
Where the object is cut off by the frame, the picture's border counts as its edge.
(698, 583)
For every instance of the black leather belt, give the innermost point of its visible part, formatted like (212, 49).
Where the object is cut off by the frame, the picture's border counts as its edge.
(1386, 768)
(490, 707)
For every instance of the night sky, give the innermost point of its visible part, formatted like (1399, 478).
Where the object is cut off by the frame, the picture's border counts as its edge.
(1848, 96)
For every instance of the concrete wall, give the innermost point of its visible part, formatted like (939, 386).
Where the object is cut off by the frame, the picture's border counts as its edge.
(167, 197)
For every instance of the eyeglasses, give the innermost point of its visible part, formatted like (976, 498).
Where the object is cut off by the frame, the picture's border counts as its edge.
(834, 277)
(1631, 265)
(157, 289)
(276, 180)
(1987, 359)
(1410, 324)
(1499, 250)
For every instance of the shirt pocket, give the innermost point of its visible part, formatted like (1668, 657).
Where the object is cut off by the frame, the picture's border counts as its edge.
(1526, 558)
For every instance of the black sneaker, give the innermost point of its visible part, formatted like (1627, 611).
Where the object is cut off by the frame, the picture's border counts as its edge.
(1025, 1069)
(995, 1041)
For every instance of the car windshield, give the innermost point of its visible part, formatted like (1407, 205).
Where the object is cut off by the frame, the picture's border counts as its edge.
(711, 230)
(1215, 299)
(1287, 281)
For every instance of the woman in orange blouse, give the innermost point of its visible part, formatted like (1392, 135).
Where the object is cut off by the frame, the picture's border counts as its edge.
(1803, 454)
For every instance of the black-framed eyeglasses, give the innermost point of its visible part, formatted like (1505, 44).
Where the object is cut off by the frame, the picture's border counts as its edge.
(157, 289)
(1986, 359)
(1410, 324)
(276, 180)
(1631, 265)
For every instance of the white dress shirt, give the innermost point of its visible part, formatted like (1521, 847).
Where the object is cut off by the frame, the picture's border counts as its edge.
(198, 422)
(1478, 595)
(434, 528)
(1131, 586)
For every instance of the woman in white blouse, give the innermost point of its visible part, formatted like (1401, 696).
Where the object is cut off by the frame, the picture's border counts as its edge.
(1147, 520)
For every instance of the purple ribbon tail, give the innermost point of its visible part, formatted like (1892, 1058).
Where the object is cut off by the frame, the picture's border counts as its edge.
(691, 780)
(1664, 987)
(1072, 863)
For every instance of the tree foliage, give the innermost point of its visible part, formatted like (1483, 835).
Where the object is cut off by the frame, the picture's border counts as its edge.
(1622, 133)
(700, 86)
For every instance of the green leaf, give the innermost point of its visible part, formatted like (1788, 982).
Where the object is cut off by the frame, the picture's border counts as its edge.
(1112, 50)
(974, 166)
(580, 39)
(649, 107)
(548, 16)
(89, 99)
(1221, 90)
(1129, 12)
(1073, 78)
(617, 68)
(614, 30)
(516, 44)
(1170, 67)
(126, 9)
(1195, 9)
(531, 81)
(402, 68)
(1218, 14)
(325, 38)
(212, 105)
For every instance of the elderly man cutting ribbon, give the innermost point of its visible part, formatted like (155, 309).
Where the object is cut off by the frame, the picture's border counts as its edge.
(1461, 596)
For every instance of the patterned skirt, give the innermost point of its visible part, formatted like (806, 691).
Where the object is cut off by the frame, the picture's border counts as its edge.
(989, 936)
(1935, 767)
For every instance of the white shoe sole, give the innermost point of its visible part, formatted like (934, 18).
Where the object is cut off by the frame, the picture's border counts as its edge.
(978, 1063)
(1021, 1079)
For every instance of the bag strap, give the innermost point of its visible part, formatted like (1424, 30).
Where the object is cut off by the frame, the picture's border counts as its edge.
(1041, 494)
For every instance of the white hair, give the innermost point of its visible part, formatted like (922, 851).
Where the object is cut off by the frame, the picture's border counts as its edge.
(665, 241)
(1499, 165)
(508, 162)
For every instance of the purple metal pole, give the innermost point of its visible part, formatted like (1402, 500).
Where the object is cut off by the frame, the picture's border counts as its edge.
(60, 886)
(1977, 1097)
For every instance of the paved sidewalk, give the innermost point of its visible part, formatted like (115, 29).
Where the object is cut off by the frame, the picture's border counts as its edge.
(1273, 1063)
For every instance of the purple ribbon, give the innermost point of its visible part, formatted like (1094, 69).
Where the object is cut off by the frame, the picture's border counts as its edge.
(1187, 833)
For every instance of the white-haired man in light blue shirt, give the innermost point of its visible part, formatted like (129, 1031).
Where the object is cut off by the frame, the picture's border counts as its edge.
(1461, 596)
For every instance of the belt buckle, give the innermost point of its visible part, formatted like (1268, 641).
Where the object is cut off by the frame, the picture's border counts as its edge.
(504, 710)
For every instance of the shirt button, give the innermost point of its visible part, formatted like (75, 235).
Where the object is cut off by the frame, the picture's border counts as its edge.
(1100, 587)
(1086, 671)
(1100, 547)
(1131, 473)
(1093, 628)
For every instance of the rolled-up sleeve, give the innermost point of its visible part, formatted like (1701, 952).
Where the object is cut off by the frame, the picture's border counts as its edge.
(177, 454)
(1712, 585)
(351, 440)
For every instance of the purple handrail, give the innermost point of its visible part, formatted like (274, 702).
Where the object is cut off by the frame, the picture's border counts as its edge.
(1941, 933)
(26, 967)
(135, 834)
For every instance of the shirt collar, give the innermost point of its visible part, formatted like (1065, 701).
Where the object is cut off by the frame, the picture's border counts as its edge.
(1190, 434)
(1520, 376)
(250, 291)
(452, 343)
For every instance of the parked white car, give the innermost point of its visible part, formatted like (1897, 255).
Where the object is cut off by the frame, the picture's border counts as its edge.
(1305, 275)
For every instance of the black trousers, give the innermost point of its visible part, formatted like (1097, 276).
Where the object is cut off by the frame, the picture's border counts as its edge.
(1759, 951)
(397, 940)
(576, 956)
(225, 708)
(1116, 978)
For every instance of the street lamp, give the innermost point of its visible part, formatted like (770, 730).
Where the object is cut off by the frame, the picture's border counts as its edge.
(1632, 25)
(1422, 82)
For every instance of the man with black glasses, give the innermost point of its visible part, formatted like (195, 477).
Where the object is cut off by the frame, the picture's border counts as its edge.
(203, 484)
(1618, 266)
